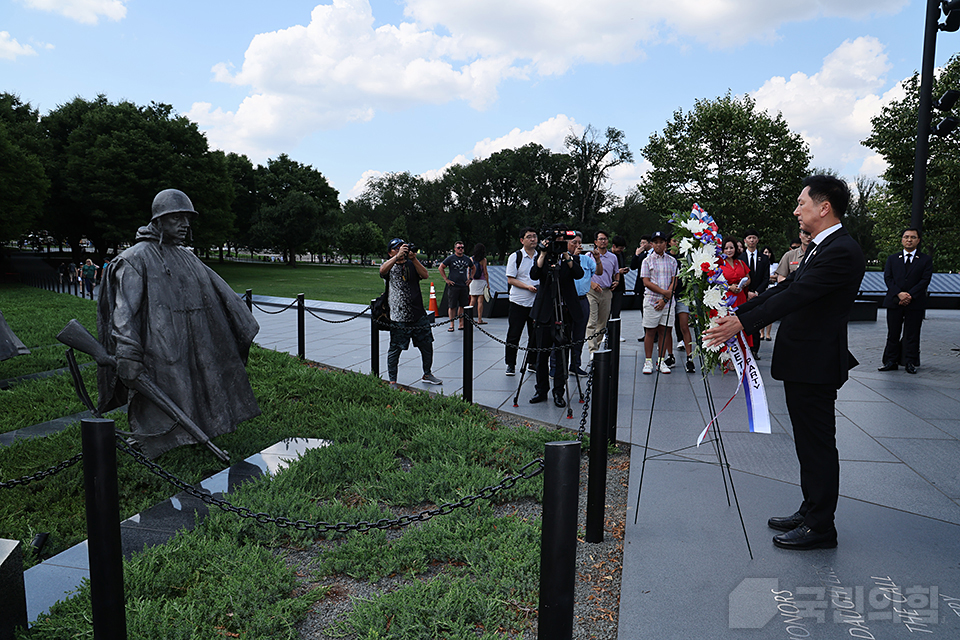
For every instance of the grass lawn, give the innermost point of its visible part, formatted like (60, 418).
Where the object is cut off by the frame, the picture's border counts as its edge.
(333, 283)
(392, 451)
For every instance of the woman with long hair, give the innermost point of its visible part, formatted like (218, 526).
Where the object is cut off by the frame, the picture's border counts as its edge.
(481, 280)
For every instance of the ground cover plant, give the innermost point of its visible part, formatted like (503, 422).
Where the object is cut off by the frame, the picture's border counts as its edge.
(36, 316)
(391, 450)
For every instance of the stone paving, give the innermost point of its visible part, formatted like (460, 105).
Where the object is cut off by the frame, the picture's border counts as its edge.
(688, 570)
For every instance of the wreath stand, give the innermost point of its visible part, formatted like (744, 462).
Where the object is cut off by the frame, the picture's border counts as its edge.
(677, 455)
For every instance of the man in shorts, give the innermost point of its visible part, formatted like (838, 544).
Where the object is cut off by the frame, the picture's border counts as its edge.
(659, 275)
(458, 284)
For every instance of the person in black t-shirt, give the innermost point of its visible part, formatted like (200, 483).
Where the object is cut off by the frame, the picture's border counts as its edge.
(461, 275)
(403, 273)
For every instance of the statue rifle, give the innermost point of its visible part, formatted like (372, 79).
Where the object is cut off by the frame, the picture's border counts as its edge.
(76, 335)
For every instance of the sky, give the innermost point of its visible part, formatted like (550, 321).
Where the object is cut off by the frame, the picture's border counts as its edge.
(358, 88)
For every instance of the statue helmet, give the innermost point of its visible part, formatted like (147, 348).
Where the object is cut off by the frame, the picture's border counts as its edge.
(171, 201)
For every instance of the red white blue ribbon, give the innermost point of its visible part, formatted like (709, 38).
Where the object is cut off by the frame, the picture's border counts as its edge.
(758, 414)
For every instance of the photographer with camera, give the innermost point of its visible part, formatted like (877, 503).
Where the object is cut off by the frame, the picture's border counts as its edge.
(555, 309)
(403, 273)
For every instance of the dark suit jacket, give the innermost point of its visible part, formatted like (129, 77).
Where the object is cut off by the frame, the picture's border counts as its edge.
(543, 304)
(635, 264)
(914, 281)
(813, 309)
(759, 278)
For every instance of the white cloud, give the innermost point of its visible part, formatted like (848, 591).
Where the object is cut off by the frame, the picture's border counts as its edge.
(85, 11)
(340, 68)
(10, 49)
(832, 108)
(548, 134)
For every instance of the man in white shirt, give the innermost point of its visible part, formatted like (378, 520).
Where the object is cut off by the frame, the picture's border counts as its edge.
(523, 291)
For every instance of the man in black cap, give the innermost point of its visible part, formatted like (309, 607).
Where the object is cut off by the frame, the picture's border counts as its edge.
(403, 273)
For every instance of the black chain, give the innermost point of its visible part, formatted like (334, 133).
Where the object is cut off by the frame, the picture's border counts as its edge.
(42, 474)
(438, 323)
(586, 404)
(487, 493)
(273, 313)
(354, 317)
(578, 343)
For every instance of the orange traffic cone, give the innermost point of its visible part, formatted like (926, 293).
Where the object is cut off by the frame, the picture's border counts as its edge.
(433, 300)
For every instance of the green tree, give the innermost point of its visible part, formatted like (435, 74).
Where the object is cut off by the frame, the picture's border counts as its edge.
(277, 181)
(743, 166)
(108, 161)
(246, 202)
(894, 136)
(592, 158)
(361, 238)
(631, 219)
(23, 182)
(290, 226)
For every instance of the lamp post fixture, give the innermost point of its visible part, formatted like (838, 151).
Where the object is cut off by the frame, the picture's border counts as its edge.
(951, 8)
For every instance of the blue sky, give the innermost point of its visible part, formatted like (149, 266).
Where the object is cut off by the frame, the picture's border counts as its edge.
(361, 87)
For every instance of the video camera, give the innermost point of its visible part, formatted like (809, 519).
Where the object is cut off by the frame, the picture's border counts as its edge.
(555, 240)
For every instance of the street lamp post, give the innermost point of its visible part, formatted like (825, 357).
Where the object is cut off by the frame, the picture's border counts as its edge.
(952, 10)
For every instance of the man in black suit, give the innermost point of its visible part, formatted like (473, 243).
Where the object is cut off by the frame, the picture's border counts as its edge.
(810, 354)
(759, 265)
(907, 275)
(557, 272)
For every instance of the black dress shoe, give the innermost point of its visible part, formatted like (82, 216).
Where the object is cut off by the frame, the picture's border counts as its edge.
(540, 397)
(788, 523)
(803, 538)
(559, 401)
(911, 368)
(888, 366)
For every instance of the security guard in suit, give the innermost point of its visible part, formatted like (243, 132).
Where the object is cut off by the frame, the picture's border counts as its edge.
(907, 275)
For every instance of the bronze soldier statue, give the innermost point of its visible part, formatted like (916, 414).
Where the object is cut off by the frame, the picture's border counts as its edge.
(171, 322)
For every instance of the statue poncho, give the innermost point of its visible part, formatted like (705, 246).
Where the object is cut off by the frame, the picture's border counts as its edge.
(160, 305)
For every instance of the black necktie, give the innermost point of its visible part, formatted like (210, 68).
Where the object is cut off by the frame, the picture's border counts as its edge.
(909, 258)
(753, 265)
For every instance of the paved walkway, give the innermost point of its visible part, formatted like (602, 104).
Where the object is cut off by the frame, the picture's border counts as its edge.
(687, 570)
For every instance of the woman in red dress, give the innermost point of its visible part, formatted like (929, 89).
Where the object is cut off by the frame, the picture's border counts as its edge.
(735, 271)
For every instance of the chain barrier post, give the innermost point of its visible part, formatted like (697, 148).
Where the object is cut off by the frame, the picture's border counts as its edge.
(249, 298)
(599, 419)
(103, 528)
(558, 539)
(468, 353)
(13, 605)
(301, 333)
(374, 343)
(613, 343)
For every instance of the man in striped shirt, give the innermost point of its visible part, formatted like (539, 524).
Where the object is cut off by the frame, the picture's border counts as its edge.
(659, 275)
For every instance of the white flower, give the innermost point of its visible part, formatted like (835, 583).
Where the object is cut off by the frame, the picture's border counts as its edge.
(686, 245)
(694, 225)
(713, 298)
(703, 253)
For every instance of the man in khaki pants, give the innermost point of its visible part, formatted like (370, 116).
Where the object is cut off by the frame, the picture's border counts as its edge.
(600, 294)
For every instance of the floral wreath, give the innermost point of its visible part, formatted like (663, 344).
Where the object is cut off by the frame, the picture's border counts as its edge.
(700, 255)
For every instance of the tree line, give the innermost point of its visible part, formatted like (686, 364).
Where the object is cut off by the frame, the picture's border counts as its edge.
(90, 168)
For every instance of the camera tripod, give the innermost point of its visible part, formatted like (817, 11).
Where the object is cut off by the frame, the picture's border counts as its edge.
(559, 339)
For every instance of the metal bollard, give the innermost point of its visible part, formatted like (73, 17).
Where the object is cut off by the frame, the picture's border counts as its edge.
(599, 419)
(468, 354)
(301, 337)
(558, 539)
(613, 327)
(374, 344)
(249, 299)
(103, 528)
